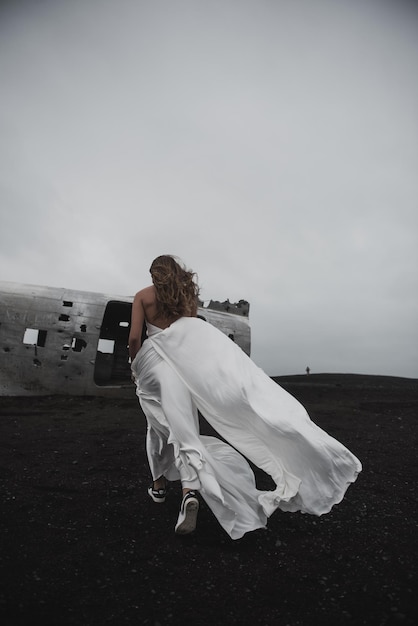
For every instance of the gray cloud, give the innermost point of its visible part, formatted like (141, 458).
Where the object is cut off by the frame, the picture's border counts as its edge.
(272, 146)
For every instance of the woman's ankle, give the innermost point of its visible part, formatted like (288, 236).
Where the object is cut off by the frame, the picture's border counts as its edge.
(160, 483)
(186, 490)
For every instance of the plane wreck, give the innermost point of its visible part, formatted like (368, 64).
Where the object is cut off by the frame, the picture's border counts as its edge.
(61, 341)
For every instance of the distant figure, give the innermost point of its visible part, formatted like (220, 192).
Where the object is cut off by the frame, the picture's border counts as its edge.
(187, 365)
(308, 371)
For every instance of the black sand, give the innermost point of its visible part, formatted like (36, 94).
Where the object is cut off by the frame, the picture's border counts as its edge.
(83, 545)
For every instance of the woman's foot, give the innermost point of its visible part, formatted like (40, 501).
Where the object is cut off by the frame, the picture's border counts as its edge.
(158, 490)
(186, 522)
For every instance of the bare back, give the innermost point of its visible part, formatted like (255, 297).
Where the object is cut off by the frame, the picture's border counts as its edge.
(144, 308)
(149, 305)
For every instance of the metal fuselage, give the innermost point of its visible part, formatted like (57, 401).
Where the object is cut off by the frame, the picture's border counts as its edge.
(62, 341)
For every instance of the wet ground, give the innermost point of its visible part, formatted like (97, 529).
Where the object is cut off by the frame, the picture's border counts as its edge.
(83, 545)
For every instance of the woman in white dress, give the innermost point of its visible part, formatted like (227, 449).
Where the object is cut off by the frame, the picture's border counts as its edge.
(186, 365)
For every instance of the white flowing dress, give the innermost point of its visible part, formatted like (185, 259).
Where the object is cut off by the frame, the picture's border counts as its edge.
(192, 366)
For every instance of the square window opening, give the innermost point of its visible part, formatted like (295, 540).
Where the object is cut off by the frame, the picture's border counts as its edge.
(106, 346)
(35, 337)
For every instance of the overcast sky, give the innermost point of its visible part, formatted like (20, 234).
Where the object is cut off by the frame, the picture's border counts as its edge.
(271, 144)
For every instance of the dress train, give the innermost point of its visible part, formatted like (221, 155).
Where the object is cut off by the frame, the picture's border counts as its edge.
(193, 366)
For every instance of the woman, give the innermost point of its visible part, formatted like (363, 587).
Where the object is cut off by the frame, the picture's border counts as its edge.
(186, 365)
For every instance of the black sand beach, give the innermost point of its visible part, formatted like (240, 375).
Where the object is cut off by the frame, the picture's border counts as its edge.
(83, 545)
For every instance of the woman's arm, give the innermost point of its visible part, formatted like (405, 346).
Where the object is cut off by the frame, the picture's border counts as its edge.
(137, 323)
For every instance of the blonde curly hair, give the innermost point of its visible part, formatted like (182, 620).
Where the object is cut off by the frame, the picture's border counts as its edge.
(176, 289)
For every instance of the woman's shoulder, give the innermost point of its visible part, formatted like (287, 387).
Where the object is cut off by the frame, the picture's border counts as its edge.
(146, 294)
